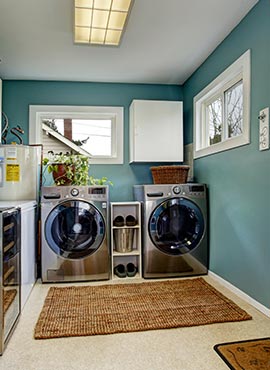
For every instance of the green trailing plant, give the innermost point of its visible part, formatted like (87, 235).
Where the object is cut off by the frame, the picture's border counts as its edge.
(102, 181)
(68, 168)
(71, 169)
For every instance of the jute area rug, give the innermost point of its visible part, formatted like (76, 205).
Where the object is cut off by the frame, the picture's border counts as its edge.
(248, 355)
(121, 308)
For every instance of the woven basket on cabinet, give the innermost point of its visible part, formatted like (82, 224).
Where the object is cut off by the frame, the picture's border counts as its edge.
(170, 174)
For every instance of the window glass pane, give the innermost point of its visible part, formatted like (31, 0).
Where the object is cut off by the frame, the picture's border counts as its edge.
(214, 113)
(92, 135)
(59, 125)
(96, 135)
(234, 109)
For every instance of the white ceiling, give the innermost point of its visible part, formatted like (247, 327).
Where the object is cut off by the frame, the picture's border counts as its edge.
(165, 41)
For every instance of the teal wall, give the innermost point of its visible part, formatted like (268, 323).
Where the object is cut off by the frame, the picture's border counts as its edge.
(18, 95)
(239, 179)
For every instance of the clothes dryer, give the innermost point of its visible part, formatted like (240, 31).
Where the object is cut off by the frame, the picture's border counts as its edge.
(74, 235)
(174, 229)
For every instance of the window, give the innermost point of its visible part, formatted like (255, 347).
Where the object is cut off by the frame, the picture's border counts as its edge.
(221, 110)
(94, 131)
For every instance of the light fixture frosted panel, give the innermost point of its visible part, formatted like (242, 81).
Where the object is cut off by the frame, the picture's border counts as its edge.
(103, 4)
(122, 5)
(83, 17)
(84, 3)
(108, 16)
(117, 20)
(82, 34)
(113, 37)
(100, 19)
(97, 36)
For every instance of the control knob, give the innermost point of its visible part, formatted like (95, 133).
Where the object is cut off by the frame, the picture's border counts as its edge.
(177, 190)
(74, 192)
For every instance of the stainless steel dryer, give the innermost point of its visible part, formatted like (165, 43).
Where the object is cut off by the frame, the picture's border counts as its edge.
(74, 235)
(174, 229)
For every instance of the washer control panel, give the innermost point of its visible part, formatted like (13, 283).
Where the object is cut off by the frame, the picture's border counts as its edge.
(91, 193)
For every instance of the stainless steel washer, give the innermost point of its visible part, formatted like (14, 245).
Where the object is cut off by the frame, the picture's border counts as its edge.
(74, 235)
(174, 229)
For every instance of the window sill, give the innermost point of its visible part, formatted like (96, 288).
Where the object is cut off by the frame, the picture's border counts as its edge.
(221, 147)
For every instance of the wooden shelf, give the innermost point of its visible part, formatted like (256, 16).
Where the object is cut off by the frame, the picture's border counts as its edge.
(132, 253)
(137, 276)
(126, 227)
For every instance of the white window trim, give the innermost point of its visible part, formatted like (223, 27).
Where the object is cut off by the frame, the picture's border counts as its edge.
(240, 69)
(39, 112)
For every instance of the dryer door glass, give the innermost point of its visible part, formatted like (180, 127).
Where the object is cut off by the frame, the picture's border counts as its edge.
(74, 229)
(176, 226)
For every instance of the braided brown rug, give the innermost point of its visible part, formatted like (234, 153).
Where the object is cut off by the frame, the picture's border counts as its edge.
(120, 308)
(249, 354)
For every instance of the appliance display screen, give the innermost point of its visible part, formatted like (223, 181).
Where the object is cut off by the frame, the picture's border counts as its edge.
(196, 188)
(97, 191)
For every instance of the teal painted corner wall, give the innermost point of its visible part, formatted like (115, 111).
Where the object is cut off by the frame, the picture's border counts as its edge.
(239, 179)
(18, 95)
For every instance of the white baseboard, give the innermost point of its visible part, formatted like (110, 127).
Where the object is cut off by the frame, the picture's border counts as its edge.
(240, 294)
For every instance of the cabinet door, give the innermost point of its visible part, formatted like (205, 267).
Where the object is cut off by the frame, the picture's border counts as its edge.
(0, 110)
(156, 131)
(28, 252)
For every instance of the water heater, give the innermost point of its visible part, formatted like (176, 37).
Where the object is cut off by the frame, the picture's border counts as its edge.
(20, 167)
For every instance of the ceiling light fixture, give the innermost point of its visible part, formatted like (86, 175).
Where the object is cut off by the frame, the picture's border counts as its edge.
(100, 22)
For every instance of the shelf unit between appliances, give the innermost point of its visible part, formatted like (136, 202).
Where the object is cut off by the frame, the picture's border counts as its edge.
(125, 209)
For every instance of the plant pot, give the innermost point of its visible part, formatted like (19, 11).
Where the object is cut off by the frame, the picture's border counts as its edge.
(60, 175)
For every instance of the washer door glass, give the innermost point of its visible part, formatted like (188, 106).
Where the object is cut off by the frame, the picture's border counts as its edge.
(176, 226)
(74, 229)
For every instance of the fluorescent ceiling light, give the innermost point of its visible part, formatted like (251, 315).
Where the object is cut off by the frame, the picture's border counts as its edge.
(100, 22)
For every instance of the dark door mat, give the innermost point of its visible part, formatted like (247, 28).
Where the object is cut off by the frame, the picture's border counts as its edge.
(251, 354)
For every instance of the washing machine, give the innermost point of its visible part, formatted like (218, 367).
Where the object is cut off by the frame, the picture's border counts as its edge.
(74, 233)
(174, 229)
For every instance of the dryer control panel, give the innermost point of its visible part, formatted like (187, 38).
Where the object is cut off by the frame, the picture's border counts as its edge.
(195, 190)
(162, 191)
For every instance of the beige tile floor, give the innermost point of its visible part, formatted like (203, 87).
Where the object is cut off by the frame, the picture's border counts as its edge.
(173, 349)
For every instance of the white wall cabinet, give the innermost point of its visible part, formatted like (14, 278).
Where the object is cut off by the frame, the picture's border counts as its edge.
(156, 131)
(125, 209)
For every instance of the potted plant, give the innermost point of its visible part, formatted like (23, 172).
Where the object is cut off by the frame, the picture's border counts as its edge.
(71, 169)
(68, 168)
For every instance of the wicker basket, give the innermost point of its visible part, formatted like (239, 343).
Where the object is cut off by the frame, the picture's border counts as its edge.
(170, 174)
